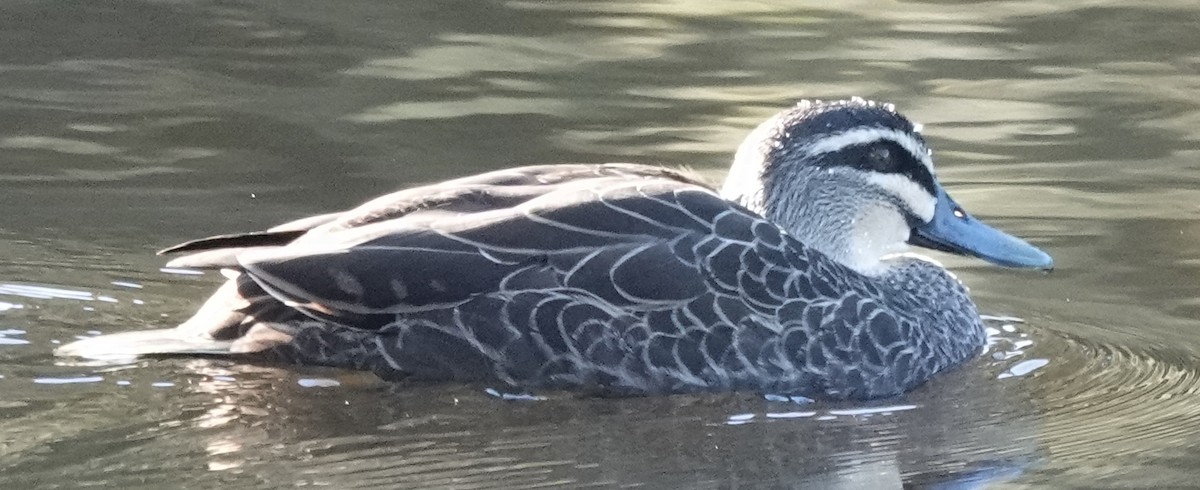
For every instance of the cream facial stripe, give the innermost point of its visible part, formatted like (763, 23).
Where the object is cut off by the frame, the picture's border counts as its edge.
(859, 136)
(919, 201)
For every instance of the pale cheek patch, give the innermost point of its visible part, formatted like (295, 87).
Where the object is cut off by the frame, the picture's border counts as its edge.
(920, 202)
(878, 232)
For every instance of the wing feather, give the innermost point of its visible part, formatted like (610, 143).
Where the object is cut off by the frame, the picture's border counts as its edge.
(613, 231)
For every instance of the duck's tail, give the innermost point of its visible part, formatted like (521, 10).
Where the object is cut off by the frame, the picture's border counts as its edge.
(217, 329)
(161, 342)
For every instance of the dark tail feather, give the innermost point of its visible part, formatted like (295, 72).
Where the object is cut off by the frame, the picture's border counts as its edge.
(239, 240)
(274, 237)
(128, 345)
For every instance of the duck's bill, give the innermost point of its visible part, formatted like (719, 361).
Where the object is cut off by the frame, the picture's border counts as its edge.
(953, 230)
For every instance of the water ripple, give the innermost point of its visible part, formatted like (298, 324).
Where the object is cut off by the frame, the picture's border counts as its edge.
(1119, 400)
(45, 292)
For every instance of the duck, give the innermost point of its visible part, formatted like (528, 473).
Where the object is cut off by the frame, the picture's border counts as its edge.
(794, 278)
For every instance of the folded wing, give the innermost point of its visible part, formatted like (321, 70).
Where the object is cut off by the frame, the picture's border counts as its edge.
(623, 234)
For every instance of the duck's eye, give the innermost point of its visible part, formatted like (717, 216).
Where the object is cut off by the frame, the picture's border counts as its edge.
(880, 159)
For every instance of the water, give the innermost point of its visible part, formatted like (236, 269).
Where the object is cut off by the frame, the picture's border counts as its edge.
(129, 126)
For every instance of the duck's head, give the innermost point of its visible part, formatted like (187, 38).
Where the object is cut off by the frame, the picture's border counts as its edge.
(854, 179)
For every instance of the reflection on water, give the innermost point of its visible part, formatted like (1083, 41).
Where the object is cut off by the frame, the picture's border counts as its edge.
(128, 126)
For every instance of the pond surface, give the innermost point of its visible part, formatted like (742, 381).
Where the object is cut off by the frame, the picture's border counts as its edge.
(128, 126)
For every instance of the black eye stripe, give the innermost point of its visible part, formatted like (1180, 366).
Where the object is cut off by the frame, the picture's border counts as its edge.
(865, 157)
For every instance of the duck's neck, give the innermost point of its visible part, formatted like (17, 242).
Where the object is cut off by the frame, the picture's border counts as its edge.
(856, 230)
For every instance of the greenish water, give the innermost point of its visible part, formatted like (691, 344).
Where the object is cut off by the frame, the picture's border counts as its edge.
(128, 126)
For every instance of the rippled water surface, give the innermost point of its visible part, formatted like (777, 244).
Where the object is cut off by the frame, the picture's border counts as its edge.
(128, 126)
